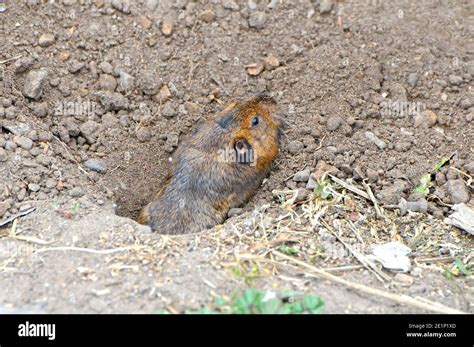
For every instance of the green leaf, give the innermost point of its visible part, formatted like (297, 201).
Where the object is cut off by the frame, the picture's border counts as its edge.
(220, 301)
(425, 181)
(323, 189)
(288, 250)
(448, 274)
(440, 164)
(313, 304)
(462, 267)
(270, 306)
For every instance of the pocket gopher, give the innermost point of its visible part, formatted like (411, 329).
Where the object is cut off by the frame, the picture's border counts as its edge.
(218, 166)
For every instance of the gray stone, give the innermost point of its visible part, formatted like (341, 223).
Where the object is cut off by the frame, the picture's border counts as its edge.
(301, 195)
(96, 165)
(40, 109)
(89, 130)
(295, 147)
(469, 167)
(390, 195)
(34, 187)
(23, 142)
(302, 176)
(4, 207)
(71, 126)
(373, 138)
(257, 20)
(398, 93)
(149, 82)
(10, 112)
(413, 79)
(143, 134)
(46, 40)
(230, 5)
(3, 155)
(458, 191)
(333, 123)
(112, 101)
(325, 6)
(207, 16)
(467, 102)
(455, 79)
(126, 82)
(106, 68)
(75, 66)
(151, 4)
(110, 121)
(107, 82)
(76, 192)
(169, 110)
(122, 5)
(33, 85)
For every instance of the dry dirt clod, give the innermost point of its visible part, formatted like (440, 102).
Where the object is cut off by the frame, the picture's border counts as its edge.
(458, 191)
(107, 82)
(3, 155)
(164, 93)
(325, 6)
(302, 176)
(167, 27)
(425, 119)
(146, 22)
(207, 16)
(257, 20)
(271, 62)
(46, 40)
(255, 69)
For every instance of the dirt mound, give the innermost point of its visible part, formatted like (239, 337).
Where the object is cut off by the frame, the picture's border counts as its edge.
(96, 95)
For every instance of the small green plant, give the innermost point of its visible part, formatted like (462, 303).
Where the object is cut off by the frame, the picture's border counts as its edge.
(461, 267)
(253, 301)
(425, 181)
(288, 250)
(245, 272)
(323, 189)
(74, 208)
(455, 271)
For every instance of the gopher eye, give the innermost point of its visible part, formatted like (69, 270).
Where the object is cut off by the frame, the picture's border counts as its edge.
(255, 121)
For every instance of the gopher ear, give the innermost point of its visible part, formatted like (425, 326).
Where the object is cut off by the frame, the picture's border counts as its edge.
(265, 99)
(226, 117)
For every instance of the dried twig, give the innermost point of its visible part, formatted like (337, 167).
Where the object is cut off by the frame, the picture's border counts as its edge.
(373, 199)
(18, 215)
(350, 187)
(423, 304)
(10, 59)
(81, 249)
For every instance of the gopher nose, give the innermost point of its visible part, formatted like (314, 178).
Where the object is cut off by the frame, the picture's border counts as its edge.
(241, 145)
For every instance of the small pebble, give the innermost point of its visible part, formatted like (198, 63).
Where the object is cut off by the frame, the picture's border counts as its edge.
(373, 138)
(96, 165)
(76, 192)
(302, 176)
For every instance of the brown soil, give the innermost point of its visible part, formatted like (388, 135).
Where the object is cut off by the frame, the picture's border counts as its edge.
(337, 72)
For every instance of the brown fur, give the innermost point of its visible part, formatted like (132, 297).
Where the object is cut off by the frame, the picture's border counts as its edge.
(201, 188)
